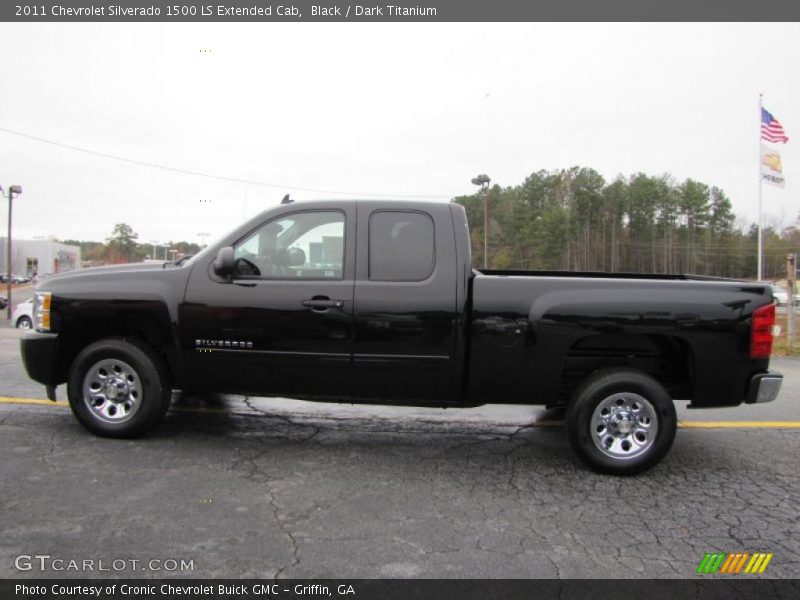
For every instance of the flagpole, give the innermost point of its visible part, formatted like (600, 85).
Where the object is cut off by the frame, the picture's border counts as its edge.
(760, 245)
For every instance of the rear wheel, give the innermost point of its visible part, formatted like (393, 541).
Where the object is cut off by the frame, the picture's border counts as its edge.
(621, 422)
(24, 323)
(118, 388)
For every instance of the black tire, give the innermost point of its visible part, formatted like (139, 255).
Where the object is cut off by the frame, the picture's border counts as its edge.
(648, 433)
(24, 323)
(142, 376)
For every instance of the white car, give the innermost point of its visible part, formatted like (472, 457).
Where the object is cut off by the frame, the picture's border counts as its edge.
(781, 297)
(22, 317)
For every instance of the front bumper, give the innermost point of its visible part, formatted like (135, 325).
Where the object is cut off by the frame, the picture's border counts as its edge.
(39, 356)
(764, 387)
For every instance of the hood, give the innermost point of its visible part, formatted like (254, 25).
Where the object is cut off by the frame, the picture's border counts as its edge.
(134, 277)
(121, 268)
(133, 286)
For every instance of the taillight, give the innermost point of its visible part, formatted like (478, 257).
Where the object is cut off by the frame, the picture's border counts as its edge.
(761, 333)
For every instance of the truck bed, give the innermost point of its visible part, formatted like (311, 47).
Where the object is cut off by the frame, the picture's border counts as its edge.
(539, 331)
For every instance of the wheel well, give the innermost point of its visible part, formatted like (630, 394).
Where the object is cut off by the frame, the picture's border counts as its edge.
(666, 358)
(144, 328)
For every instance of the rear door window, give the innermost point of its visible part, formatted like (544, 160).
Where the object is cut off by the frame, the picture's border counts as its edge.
(401, 246)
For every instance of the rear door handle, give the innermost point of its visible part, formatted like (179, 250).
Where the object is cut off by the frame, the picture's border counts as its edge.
(322, 304)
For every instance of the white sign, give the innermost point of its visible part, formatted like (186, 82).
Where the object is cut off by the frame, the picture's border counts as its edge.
(771, 167)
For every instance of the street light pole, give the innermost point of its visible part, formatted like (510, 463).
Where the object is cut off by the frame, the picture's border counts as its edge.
(14, 189)
(8, 259)
(483, 181)
(486, 228)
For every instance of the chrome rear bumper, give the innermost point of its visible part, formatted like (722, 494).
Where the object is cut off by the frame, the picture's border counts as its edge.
(764, 387)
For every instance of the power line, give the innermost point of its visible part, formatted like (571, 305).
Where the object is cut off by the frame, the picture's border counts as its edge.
(143, 163)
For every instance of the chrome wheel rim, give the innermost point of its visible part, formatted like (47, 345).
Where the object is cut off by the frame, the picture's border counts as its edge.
(112, 390)
(624, 426)
(24, 324)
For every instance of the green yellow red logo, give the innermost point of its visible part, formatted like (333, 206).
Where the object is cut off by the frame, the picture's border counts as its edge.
(734, 563)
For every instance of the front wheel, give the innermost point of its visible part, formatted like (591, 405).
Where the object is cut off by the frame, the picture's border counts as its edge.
(24, 323)
(118, 388)
(621, 422)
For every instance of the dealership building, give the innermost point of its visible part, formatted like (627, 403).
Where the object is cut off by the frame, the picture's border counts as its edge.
(39, 257)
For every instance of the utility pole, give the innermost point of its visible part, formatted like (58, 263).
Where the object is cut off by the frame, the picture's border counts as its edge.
(14, 189)
(791, 260)
(483, 181)
(8, 258)
(486, 227)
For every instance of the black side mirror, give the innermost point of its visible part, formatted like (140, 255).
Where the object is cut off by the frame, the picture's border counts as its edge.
(224, 263)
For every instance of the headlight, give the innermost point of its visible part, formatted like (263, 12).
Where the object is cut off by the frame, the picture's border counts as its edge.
(41, 310)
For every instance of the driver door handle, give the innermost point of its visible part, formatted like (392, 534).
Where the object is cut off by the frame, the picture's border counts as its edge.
(321, 303)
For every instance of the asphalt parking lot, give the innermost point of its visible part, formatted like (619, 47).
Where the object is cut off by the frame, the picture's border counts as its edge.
(258, 487)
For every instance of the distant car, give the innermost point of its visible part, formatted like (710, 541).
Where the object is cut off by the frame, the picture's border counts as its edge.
(3, 302)
(16, 279)
(22, 317)
(781, 297)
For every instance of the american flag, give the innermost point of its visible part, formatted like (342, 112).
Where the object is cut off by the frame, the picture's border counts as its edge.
(771, 129)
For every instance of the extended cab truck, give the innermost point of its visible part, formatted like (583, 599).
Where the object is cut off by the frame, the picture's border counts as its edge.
(377, 302)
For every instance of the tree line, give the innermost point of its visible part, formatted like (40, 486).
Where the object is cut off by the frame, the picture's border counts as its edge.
(574, 220)
(122, 246)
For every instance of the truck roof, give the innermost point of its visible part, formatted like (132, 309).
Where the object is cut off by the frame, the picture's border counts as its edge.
(402, 203)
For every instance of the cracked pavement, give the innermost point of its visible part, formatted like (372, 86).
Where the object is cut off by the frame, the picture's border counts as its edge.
(258, 487)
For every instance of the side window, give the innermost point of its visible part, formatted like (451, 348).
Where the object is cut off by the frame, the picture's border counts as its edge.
(400, 246)
(304, 245)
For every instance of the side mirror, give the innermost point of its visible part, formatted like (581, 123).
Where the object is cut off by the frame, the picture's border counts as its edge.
(224, 263)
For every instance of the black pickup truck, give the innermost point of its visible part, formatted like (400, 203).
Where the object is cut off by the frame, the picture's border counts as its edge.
(377, 302)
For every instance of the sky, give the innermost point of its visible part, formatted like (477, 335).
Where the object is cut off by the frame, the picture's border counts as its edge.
(353, 110)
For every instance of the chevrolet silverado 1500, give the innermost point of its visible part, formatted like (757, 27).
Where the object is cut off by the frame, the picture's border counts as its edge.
(377, 302)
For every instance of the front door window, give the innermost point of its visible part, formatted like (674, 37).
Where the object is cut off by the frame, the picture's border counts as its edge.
(303, 245)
